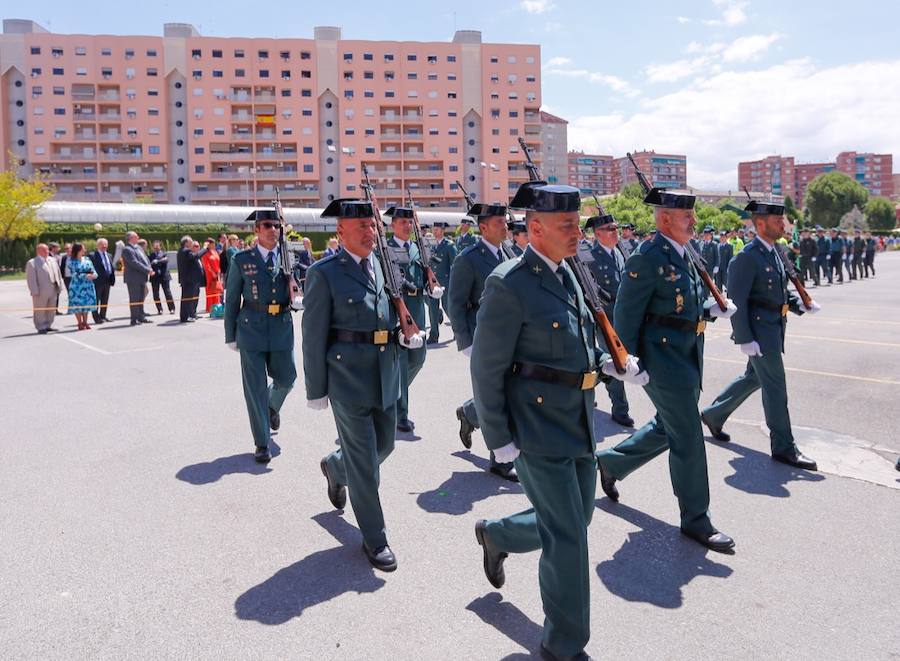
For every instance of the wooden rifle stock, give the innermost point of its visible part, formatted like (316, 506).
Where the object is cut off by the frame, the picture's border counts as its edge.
(431, 280)
(705, 276)
(794, 277)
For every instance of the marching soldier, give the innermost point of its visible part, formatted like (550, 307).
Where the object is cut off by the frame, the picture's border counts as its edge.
(465, 238)
(534, 368)
(661, 314)
(351, 359)
(758, 286)
(709, 251)
(869, 256)
(823, 244)
(848, 253)
(837, 251)
(630, 239)
(520, 238)
(859, 247)
(258, 324)
(726, 253)
(467, 277)
(809, 251)
(607, 267)
(412, 270)
(442, 255)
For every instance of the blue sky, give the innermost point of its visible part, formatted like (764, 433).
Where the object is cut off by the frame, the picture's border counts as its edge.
(719, 80)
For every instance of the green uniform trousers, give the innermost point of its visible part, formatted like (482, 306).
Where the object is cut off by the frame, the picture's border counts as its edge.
(411, 362)
(255, 365)
(766, 372)
(616, 391)
(561, 491)
(472, 416)
(435, 318)
(367, 438)
(676, 428)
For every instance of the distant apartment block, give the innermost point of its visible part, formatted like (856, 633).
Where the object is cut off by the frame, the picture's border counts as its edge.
(592, 173)
(185, 118)
(554, 145)
(782, 176)
(663, 170)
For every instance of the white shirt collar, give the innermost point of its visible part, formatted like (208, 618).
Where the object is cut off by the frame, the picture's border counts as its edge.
(678, 247)
(494, 249)
(265, 253)
(768, 245)
(357, 258)
(549, 262)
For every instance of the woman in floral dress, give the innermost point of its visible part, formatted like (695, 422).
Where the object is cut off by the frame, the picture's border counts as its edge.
(82, 295)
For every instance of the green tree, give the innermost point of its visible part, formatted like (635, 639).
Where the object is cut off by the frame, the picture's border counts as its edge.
(832, 195)
(790, 209)
(881, 214)
(19, 200)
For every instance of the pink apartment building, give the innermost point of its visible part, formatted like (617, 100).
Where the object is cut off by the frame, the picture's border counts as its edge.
(184, 118)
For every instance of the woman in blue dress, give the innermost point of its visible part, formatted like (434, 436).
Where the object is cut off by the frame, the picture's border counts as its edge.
(82, 295)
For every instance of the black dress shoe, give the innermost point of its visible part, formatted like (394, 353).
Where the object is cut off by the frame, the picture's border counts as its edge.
(146, 321)
(493, 557)
(714, 541)
(134, 322)
(405, 425)
(624, 420)
(274, 419)
(796, 459)
(715, 432)
(337, 493)
(505, 471)
(550, 656)
(381, 558)
(43, 331)
(608, 484)
(262, 455)
(465, 428)
(897, 466)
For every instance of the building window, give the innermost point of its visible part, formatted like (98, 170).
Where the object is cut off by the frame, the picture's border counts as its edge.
(58, 71)
(239, 73)
(511, 59)
(412, 75)
(305, 92)
(305, 55)
(453, 168)
(389, 94)
(151, 71)
(388, 57)
(129, 53)
(348, 94)
(348, 57)
(263, 54)
(59, 111)
(198, 132)
(494, 59)
(348, 75)
(451, 113)
(307, 150)
(263, 73)
(198, 150)
(80, 50)
(35, 50)
(35, 71)
(349, 132)
(513, 113)
(412, 94)
(151, 52)
(369, 94)
(452, 150)
(37, 90)
(451, 95)
(306, 112)
(56, 52)
(451, 76)
(217, 73)
(153, 112)
(411, 58)
(285, 74)
(195, 53)
(370, 150)
(104, 52)
(285, 92)
(307, 167)
(239, 52)
(152, 149)
(285, 55)
(367, 56)
(306, 74)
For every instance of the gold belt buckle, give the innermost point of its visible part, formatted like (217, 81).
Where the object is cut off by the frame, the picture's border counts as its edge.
(274, 308)
(701, 326)
(414, 292)
(784, 310)
(380, 337)
(589, 380)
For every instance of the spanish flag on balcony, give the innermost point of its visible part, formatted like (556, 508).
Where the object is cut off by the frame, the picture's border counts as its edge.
(265, 119)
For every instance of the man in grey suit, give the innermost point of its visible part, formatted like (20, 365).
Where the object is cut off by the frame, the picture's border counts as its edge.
(137, 273)
(44, 283)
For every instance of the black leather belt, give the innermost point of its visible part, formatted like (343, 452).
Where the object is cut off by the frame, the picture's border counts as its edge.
(769, 305)
(580, 380)
(271, 308)
(677, 323)
(362, 337)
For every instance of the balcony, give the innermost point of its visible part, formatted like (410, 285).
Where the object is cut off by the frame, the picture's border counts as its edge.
(133, 176)
(74, 156)
(242, 117)
(109, 116)
(390, 135)
(70, 176)
(264, 97)
(414, 155)
(85, 136)
(131, 196)
(273, 155)
(77, 196)
(108, 96)
(231, 156)
(122, 156)
(83, 96)
(267, 175)
(296, 194)
(242, 136)
(426, 192)
(84, 117)
(231, 194)
(423, 174)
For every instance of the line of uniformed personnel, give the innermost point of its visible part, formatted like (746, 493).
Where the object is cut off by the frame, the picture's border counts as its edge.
(535, 358)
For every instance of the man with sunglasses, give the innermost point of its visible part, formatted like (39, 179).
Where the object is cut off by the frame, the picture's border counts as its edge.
(259, 325)
(607, 267)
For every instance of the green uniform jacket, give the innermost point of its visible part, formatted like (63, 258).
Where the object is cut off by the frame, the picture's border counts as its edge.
(256, 330)
(412, 270)
(464, 241)
(709, 250)
(340, 296)
(658, 281)
(527, 316)
(442, 256)
(607, 270)
(470, 269)
(758, 288)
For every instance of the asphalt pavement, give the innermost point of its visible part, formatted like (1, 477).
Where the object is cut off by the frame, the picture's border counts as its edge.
(135, 524)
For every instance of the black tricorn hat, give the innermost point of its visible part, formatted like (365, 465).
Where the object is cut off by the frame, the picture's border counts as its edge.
(441, 223)
(660, 197)
(480, 210)
(541, 196)
(262, 214)
(599, 221)
(708, 228)
(516, 226)
(348, 207)
(399, 212)
(764, 208)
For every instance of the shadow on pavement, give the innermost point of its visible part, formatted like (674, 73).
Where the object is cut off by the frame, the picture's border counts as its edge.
(510, 621)
(212, 471)
(757, 473)
(604, 427)
(654, 563)
(459, 493)
(317, 578)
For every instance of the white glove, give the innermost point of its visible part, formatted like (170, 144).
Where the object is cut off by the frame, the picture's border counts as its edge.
(715, 269)
(232, 345)
(814, 259)
(813, 307)
(751, 349)
(507, 454)
(632, 372)
(417, 341)
(296, 303)
(719, 313)
(318, 404)
(436, 292)
(467, 352)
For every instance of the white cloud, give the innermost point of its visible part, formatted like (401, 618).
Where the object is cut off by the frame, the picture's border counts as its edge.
(555, 62)
(732, 13)
(745, 49)
(709, 56)
(683, 19)
(561, 66)
(537, 6)
(719, 121)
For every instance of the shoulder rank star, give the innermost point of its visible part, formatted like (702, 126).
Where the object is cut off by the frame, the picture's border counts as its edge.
(536, 268)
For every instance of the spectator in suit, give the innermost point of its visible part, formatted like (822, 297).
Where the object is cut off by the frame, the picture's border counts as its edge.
(159, 260)
(304, 261)
(190, 277)
(64, 264)
(212, 272)
(726, 252)
(44, 283)
(53, 247)
(106, 278)
(332, 248)
(137, 274)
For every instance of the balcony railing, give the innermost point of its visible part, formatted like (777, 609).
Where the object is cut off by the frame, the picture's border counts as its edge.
(71, 176)
(74, 156)
(133, 176)
(122, 156)
(230, 156)
(230, 194)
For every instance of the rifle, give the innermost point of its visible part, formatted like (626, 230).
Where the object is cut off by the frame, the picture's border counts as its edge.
(470, 202)
(594, 295)
(286, 256)
(431, 280)
(393, 280)
(689, 250)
